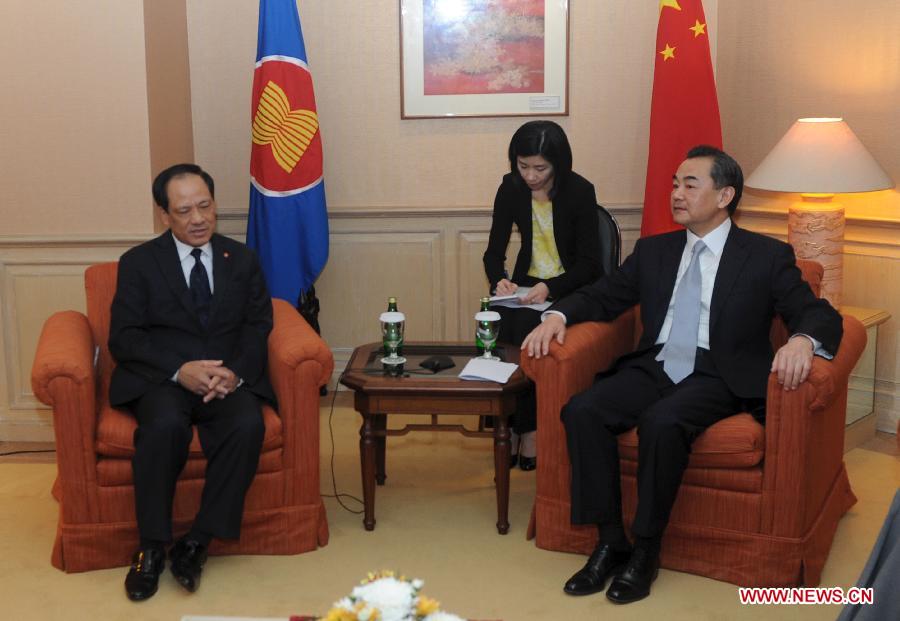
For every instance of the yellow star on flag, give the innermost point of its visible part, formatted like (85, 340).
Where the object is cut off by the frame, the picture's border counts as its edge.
(672, 4)
(698, 28)
(668, 53)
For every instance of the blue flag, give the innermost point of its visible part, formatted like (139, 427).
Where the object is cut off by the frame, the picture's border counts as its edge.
(288, 222)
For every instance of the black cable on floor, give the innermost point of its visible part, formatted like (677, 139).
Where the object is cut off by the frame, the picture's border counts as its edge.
(26, 452)
(337, 496)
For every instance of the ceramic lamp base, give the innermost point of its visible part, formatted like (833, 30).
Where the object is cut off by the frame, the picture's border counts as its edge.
(816, 231)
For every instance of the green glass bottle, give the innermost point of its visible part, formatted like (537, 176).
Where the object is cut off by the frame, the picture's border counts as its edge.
(392, 308)
(485, 306)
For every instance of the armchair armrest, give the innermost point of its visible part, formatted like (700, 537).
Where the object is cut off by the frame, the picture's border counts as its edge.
(65, 351)
(63, 376)
(589, 348)
(805, 437)
(299, 363)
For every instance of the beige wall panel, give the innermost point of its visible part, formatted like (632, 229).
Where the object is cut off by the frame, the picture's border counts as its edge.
(365, 269)
(168, 86)
(35, 292)
(222, 47)
(75, 155)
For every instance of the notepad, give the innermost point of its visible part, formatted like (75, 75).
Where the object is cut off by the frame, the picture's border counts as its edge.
(490, 370)
(513, 300)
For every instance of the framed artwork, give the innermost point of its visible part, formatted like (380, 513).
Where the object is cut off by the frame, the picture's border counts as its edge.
(483, 58)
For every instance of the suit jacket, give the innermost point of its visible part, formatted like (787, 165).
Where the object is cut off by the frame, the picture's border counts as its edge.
(154, 327)
(757, 278)
(575, 230)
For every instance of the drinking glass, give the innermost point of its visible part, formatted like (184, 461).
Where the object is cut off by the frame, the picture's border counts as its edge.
(487, 328)
(392, 326)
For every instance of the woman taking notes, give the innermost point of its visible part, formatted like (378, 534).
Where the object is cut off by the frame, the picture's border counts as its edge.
(555, 212)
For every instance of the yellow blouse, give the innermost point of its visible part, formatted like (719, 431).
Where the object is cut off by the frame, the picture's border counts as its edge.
(545, 262)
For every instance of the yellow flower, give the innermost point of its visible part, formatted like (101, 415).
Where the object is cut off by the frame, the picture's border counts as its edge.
(425, 606)
(340, 614)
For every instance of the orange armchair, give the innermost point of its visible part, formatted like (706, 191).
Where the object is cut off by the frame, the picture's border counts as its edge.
(283, 512)
(758, 505)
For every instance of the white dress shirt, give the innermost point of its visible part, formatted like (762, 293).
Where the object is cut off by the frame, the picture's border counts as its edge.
(709, 266)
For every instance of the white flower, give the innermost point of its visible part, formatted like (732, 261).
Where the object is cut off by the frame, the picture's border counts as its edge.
(442, 616)
(346, 603)
(390, 596)
(367, 613)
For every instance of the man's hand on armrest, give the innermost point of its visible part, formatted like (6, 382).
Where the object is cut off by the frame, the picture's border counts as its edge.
(793, 361)
(537, 343)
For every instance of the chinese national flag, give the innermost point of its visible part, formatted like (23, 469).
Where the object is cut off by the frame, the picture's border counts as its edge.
(684, 111)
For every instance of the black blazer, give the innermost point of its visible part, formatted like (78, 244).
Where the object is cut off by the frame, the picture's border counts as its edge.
(575, 230)
(757, 278)
(154, 327)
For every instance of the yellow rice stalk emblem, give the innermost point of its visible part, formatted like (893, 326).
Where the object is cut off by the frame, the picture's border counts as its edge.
(289, 132)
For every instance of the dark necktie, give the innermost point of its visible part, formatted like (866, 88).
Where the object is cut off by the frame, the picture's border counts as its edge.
(681, 347)
(200, 287)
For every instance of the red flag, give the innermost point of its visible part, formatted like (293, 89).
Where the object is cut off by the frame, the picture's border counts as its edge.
(684, 111)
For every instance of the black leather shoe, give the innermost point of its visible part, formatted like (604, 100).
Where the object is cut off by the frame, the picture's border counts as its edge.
(527, 463)
(603, 563)
(143, 577)
(513, 460)
(634, 582)
(188, 557)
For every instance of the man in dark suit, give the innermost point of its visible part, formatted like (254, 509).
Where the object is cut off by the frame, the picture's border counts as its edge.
(189, 328)
(707, 298)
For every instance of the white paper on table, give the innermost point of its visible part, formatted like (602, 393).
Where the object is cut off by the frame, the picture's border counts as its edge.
(490, 370)
(512, 301)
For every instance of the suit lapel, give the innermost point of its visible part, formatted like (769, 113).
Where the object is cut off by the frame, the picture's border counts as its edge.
(222, 264)
(667, 268)
(734, 255)
(170, 267)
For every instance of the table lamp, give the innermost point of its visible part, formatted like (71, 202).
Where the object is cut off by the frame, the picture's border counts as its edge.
(819, 158)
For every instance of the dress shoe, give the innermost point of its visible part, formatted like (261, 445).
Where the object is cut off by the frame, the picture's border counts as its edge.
(513, 460)
(634, 582)
(188, 557)
(527, 463)
(143, 577)
(604, 561)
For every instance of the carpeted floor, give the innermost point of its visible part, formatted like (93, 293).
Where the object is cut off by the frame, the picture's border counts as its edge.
(435, 520)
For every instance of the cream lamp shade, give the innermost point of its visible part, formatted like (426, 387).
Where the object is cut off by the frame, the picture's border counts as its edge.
(819, 157)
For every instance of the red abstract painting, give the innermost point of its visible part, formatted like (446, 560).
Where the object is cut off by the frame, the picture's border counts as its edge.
(474, 47)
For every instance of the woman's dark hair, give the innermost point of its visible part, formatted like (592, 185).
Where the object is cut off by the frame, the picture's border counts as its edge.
(547, 139)
(161, 183)
(725, 172)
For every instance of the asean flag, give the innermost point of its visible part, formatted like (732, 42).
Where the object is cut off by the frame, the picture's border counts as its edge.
(684, 110)
(288, 222)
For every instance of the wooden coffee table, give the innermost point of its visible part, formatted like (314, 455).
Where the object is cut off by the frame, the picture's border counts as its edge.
(378, 394)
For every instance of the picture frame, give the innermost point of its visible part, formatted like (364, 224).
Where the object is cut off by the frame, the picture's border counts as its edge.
(482, 58)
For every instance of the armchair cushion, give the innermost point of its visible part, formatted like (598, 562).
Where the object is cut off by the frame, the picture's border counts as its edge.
(115, 431)
(735, 442)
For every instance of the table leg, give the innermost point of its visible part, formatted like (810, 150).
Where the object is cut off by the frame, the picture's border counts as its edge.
(501, 472)
(367, 449)
(380, 424)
